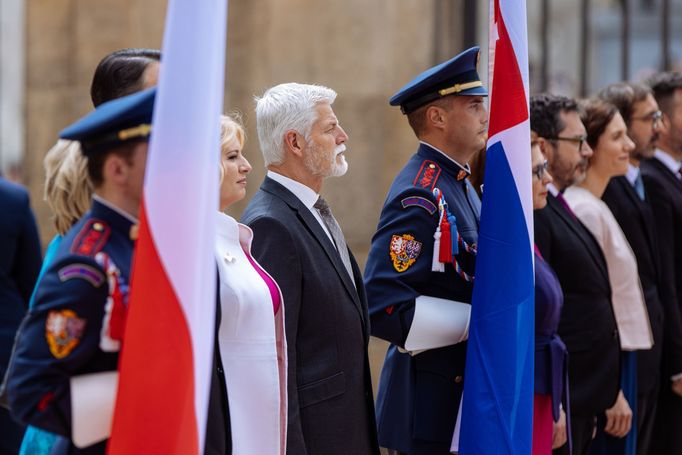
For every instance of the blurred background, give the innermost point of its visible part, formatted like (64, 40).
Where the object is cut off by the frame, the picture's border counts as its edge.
(364, 49)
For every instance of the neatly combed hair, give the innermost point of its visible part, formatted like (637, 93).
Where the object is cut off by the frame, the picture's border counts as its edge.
(230, 127)
(596, 114)
(664, 86)
(287, 107)
(67, 187)
(120, 73)
(624, 95)
(545, 110)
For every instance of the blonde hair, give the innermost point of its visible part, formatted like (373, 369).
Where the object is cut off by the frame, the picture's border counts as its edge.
(68, 189)
(230, 127)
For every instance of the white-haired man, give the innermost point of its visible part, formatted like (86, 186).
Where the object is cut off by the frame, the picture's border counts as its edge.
(298, 241)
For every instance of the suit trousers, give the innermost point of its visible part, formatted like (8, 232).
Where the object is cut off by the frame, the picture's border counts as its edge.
(646, 420)
(667, 437)
(582, 430)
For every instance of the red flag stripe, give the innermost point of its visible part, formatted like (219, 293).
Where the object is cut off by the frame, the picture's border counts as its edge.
(155, 302)
(508, 106)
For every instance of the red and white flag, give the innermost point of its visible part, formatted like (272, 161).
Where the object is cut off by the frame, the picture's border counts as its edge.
(167, 351)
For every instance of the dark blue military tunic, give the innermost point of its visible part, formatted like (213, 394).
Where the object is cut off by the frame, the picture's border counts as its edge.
(419, 395)
(75, 327)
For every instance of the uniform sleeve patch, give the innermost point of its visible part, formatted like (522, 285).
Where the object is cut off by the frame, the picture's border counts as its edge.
(404, 251)
(418, 201)
(82, 271)
(92, 238)
(63, 331)
(428, 175)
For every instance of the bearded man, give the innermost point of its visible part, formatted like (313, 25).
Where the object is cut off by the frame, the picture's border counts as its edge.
(298, 241)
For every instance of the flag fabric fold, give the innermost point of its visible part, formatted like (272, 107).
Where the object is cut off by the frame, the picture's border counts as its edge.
(166, 356)
(497, 408)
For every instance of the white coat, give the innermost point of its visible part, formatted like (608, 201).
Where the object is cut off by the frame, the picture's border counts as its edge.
(252, 346)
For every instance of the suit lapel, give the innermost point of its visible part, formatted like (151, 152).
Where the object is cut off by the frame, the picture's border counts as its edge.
(576, 226)
(667, 174)
(643, 209)
(313, 226)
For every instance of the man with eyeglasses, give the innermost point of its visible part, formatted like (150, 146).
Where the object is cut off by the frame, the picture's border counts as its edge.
(663, 184)
(630, 205)
(587, 325)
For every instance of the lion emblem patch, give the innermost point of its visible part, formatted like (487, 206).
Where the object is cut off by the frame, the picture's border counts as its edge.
(404, 251)
(63, 331)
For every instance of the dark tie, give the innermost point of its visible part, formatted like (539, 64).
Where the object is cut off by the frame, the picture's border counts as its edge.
(639, 186)
(567, 207)
(335, 230)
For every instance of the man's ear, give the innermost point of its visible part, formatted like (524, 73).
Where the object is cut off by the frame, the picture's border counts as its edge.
(435, 116)
(664, 124)
(545, 147)
(115, 168)
(294, 143)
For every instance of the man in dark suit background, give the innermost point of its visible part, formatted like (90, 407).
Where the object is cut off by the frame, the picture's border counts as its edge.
(587, 325)
(631, 207)
(663, 185)
(300, 244)
(20, 260)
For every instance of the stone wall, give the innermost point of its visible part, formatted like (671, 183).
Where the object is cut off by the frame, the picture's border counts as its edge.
(363, 50)
(65, 39)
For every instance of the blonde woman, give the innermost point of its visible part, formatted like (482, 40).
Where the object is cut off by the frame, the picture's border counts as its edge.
(251, 339)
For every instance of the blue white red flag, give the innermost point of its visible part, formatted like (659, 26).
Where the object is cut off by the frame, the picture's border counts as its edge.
(497, 409)
(168, 344)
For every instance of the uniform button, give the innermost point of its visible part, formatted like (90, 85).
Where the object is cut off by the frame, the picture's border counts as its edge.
(220, 370)
(615, 334)
(458, 379)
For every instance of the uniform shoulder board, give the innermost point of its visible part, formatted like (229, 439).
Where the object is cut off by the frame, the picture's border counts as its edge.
(428, 175)
(91, 239)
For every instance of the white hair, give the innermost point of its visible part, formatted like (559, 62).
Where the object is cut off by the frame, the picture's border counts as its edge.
(287, 107)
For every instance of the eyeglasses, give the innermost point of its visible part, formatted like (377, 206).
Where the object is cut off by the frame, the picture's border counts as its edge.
(580, 140)
(654, 117)
(540, 170)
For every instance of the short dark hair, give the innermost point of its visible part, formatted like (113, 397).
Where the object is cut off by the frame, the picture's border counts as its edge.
(120, 73)
(664, 86)
(596, 115)
(624, 95)
(545, 110)
(97, 160)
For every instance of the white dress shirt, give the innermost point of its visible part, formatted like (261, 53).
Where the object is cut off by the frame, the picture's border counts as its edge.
(632, 174)
(305, 194)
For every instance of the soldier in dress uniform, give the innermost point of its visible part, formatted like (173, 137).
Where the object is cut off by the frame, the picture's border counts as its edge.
(420, 269)
(63, 375)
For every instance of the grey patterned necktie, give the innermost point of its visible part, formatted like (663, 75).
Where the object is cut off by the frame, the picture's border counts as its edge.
(335, 230)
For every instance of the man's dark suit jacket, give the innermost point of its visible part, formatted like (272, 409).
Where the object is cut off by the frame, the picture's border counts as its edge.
(664, 191)
(20, 260)
(635, 218)
(331, 409)
(587, 324)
